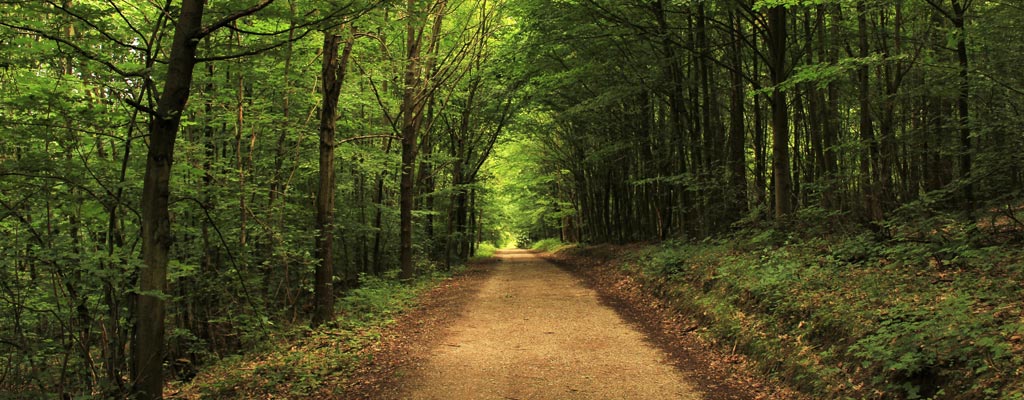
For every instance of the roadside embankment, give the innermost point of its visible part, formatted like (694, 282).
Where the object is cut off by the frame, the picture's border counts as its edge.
(843, 317)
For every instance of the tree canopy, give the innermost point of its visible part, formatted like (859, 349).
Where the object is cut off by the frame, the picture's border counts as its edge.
(178, 177)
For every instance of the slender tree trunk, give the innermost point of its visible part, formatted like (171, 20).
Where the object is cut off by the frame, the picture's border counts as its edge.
(890, 76)
(676, 96)
(411, 108)
(780, 113)
(243, 218)
(148, 347)
(378, 218)
(323, 292)
(963, 102)
(760, 151)
(830, 116)
(332, 75)
(277, 181)
(737, 157)
(425, 176)
(116, 337)
(869, 147)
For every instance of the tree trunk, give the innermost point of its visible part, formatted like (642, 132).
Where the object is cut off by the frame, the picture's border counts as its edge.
(333, 75)
(410, 117)
(323, 293)
(737, 157)
(676, 96)
(830, 117)
(963, 102)
(869, 147)
(780, 113)
(148, 348)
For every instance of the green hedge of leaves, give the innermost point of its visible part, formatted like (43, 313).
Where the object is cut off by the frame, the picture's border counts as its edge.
(853, 316)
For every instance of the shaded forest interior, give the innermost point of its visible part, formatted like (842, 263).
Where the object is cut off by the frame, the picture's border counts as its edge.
(180, 180)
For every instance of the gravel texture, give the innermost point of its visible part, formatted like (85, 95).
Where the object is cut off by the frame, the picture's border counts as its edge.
(533, 331)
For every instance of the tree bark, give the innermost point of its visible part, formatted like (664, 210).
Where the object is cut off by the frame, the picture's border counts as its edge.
(869, 147)
(830, 116)
(410, 128)
(676, 96)
(737, 158)
(333, 75)
(963, 102)
(148, 347)
(780, 113)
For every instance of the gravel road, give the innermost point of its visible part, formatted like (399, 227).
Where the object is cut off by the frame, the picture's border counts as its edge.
(535, 332)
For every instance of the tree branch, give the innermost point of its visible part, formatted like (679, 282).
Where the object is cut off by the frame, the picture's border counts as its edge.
(138, 106)
(352, 139)
(252, 52)
(84, 53)
(231, 18)
(95, 27)
(941, 10)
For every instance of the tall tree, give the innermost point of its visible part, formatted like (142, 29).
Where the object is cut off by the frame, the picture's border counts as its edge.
(332, 77)
(412, 107)
(777, 49)
(957, 16)
(156, 223)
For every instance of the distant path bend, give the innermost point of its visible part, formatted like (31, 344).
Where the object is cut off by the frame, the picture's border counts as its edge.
(535, 332)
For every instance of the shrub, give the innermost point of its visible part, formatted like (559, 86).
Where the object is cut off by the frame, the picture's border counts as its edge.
(854, 316)
(550, 244)
(485, 249)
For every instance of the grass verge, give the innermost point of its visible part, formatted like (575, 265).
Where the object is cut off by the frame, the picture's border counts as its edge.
(485, 250)
(549, 245)
(295, 362)
(853, 317)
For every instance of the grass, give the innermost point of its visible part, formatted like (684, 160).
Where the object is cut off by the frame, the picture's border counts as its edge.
(485, 250)
(549, 245)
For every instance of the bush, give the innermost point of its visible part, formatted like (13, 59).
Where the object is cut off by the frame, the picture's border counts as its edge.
(295, 361)
(855, 316)
(485, 249)
(550, 244)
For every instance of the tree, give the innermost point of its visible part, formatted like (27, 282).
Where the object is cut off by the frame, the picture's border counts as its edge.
(333, 76)
(412, 115)
(156, 225)
(776, 38)
(958, 17)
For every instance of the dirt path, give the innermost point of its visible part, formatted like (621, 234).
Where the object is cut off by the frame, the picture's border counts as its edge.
(533, 331)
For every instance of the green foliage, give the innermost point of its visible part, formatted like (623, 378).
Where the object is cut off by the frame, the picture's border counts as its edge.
(296, 361)
(485, 250)
(548, 245)
(376, 299)
(852, 316)
(77, 82)
(917, 347)
(606, 134)
(527, 206)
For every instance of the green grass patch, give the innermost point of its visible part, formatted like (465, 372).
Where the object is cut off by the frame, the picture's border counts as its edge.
(854, 317)
(296, 361)
(485, 250)
(549, 245)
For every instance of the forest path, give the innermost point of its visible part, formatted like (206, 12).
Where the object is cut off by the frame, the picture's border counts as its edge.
(533, 331)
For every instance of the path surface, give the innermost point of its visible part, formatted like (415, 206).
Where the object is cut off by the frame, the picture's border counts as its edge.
(535, 332)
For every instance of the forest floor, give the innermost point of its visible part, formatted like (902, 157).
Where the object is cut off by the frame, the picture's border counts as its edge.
(521, 327)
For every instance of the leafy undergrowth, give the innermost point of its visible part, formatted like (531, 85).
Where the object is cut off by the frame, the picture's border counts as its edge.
(485, 250)
(854, 316)
(550, 244)
(295, 362)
